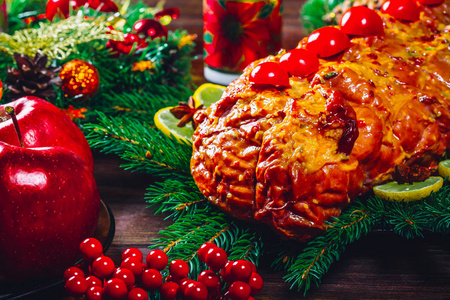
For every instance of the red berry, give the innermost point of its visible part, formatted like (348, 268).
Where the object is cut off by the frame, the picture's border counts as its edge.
(404, 10)
(94, 293)
(103, 267)
(60, 8)
(241, 270)
(226, 272)
(115, 288)
(151, 279)
(72, 271)
(126, 275)
(132, 252)
(256, 283)
(327, 41)
(300, 62)
(169, 290)
(137, 293)
(210, 279)
(157, 259)
(361, 21)
(196, 291)
(269, 73)
(76, 285)
(178, 268)
(91, 249)
(239, 290)
(204, 249)
(132, 264)
(93, 281)
(183, 285)
(216, 258)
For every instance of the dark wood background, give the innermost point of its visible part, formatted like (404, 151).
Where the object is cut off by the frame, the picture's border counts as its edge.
(380, 266)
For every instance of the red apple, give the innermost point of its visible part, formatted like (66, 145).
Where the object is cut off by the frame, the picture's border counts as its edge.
(49, 203)
(42, 124)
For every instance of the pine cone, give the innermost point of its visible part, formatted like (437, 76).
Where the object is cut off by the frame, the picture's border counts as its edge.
(32, 78)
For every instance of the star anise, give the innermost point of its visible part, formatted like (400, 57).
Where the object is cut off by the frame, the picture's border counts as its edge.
(185, 112)
(410, 174)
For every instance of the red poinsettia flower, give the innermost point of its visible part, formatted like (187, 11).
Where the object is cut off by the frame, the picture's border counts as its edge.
(235, 34)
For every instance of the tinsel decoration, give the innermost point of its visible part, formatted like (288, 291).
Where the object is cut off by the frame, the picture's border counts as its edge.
(32, 77)
(58, 40)
(79, 79)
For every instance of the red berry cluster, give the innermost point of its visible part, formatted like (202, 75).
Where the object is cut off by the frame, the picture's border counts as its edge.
(101, 279)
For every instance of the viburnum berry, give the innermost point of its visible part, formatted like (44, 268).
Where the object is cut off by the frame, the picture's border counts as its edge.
(115, 288)
(132, 264)
(76, 285)
(103, 267)
(196, 291)
(72, 271)
(300, 62)
(241, 270)
(256, 283)
(225, 272)
(157, 259)
(151, 279)
(126, 275)
(204, 248)
(90, 249)
(216, 258)
(239, 290)
(169, 290)
(137, 293)
(183, 285)
(132, 252)
(178, 268)
(93, 281)
(269, 73)
(210, 279)
(94, 293)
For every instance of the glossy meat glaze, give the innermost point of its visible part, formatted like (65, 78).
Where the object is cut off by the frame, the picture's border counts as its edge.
(286, 156)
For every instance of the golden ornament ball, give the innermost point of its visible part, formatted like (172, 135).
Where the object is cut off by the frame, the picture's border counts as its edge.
(79, 79)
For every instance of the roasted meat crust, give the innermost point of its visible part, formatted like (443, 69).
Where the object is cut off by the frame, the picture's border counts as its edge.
(294, 157)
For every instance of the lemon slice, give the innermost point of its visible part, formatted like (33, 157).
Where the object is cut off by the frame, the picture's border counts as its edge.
(207, 94)
(408, 192)
(167, 123)
(444, 168)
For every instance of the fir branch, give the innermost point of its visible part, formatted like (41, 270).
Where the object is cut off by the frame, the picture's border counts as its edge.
(146, 149)
(309, 266)
(57, 40)
(175, 198)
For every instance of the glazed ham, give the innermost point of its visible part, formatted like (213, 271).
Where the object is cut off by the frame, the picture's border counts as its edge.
(294, 157)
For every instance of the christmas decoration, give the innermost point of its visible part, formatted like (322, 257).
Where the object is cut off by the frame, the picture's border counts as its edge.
(79, 79)
(238, 279)
(35, 241)
(32, 77)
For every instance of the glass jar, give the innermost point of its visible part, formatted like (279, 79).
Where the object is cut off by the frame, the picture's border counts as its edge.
(237, 32)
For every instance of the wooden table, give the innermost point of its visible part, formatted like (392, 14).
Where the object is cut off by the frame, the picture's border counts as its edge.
(381, 266)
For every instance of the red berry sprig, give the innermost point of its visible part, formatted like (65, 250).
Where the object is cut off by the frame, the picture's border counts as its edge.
(99, 279)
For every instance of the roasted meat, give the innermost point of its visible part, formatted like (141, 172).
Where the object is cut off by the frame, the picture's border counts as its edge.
(294, 157)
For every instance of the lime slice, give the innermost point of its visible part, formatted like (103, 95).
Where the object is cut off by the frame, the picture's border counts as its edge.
(408, 192)
(444, 168)
(167, 123)
(207, 94)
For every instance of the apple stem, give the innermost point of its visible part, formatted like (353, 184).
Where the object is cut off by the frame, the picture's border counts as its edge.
(10, 111)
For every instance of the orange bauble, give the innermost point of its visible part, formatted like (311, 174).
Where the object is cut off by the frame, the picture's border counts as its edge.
(80, 79)
(1, 89)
